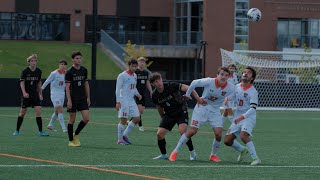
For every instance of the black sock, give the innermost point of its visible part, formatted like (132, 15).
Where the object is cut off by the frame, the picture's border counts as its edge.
(81, 125)
(162, 146)
(190, 145)
(70, 132)
(140, 122)
(19, 123)
(131, 119)
(39, 123)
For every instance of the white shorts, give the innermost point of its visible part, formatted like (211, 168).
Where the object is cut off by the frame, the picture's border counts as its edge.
(202, 115)
(57, 100)
(128, 109)
(245, 125)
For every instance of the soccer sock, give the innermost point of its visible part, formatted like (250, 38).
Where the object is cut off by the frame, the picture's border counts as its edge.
(162, 146)
(129, 128)
(215, 147)
(70, 132)
(237, 146)
(19, 123)
(39, 123)
(140, 122)
(252, 150)
(81, 125)
(183, 139)
(120, 131)
(53, 118)
(61, 120)
(190, 145)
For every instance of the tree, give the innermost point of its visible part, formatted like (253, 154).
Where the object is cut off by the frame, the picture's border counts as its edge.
(135, 53)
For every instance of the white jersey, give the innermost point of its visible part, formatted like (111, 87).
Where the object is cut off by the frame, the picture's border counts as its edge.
(213, 94)
(233, 79)
(57, 83)
(245, 99)
(126, 87)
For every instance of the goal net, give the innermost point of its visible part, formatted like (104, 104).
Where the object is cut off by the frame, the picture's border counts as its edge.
(285, 80)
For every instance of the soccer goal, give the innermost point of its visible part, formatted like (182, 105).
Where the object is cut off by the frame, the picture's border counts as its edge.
(285, 80)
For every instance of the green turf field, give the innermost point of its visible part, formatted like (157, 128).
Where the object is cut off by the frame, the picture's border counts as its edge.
(286, 142)
(14, 54)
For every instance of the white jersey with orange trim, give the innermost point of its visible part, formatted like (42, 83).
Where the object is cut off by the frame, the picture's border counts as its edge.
(57, 83)
(246, 100)
(233, 79)
(126, 87)
(213, 94)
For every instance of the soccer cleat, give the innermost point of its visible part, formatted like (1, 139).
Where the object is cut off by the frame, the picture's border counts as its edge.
(214, 158)
(122, 142)
(125, 138)
(193, 155)
(242, 154)
(16, 133)
(141, 128)
(76, 140)
(255, 162)
(52, 128)
(161, 156)
(73, 144)
(42, 133)
(173, 156)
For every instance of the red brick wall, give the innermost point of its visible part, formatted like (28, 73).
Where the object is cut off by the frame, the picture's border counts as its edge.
(7, 5)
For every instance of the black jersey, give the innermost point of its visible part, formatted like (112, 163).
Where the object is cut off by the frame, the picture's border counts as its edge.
(31, 80)
(142, 78)
(77, 79)
(170, 99)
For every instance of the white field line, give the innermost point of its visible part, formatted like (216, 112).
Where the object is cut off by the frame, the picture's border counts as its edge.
(155, 166)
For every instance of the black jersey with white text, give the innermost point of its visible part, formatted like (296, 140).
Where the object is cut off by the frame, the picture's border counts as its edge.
(31, 80)
(142, 78)
(171, 99)
(77, 79)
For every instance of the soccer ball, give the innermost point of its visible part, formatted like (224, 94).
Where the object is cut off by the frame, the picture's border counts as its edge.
(254, 14)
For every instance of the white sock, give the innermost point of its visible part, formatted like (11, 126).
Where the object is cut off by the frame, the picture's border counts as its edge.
(61, 120)
(120, 131)
(252, 150)
(237, 146)
(215, 147)
(129, 128)
(53, 118)
(183, 139)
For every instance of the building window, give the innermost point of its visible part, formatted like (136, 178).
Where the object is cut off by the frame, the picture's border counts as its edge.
(241, 24)
(188, 22)
(297, 33)
(27, 26)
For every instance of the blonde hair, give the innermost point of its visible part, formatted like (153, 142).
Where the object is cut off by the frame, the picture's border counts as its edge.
(33, 56)
(142, 59)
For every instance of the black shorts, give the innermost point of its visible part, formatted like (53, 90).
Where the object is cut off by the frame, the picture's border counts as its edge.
(30, 102)
(79, 106)
(142, 101)
(168, 122)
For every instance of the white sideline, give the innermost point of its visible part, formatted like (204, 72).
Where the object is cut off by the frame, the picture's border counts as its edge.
(154, 166)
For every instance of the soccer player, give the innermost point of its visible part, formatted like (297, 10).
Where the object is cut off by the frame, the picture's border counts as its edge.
(233, 79)
(142, 84)
(214, 92)
(246, 98)
(30, 85)
(78, 97)
(173, 110)
(126, 106)
(57, 94)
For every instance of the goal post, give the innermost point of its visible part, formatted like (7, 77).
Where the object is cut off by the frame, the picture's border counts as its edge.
(285, 80)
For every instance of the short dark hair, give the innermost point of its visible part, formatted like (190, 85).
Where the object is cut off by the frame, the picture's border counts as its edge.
(132, 61)
(75, 53)
(254, 73)
(154, 76)
(63, 61)
(232, 65)
(224, 69)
